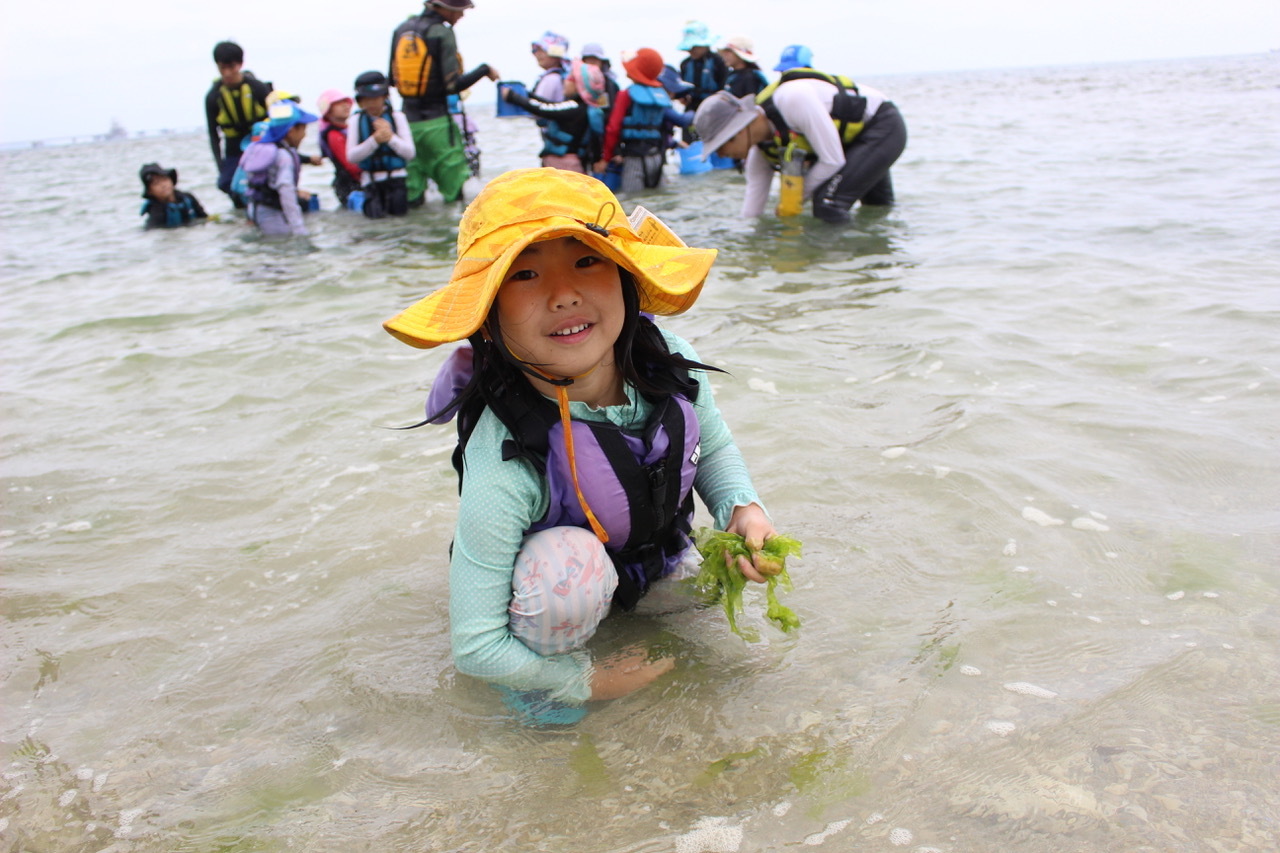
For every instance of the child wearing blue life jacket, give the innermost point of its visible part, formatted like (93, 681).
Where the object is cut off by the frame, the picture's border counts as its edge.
(271, 166)
(573, 129)
(583, 431)
(380, 142)
(166, 206)
(634, 137)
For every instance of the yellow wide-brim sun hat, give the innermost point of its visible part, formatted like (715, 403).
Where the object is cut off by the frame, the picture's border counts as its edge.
(530, 205)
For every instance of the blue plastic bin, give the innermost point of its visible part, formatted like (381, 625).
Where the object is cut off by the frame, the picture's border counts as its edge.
(506, 110)
(691, 162)
(612, 176)
(718, 162)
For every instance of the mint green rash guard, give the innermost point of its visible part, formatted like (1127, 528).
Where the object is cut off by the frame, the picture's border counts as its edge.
(502, 499)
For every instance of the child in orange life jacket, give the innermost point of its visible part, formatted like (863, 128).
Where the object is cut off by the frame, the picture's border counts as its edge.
(380, 142)
(574, 127)
(166, 206)
(583, 431)
(334, 108)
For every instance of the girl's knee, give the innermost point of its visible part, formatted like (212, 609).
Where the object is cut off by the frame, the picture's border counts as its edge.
(562, 587)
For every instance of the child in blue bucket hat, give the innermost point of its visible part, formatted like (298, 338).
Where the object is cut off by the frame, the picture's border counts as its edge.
(271, 166)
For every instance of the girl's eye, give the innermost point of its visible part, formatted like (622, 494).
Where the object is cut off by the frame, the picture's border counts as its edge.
(521, 275)
(587, 261)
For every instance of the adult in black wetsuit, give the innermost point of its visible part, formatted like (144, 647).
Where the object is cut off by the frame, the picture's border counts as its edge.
(234, 102)
(426, 68)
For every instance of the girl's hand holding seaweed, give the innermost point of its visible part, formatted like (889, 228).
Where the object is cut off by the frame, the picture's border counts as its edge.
(753, 525)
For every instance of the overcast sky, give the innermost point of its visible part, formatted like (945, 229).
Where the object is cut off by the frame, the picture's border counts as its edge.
(72, 67)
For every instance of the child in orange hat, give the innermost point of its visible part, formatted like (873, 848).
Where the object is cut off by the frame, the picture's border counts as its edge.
(583, 430)
(635, 137)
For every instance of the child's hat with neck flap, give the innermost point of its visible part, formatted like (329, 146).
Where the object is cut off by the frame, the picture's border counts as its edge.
(528, 205)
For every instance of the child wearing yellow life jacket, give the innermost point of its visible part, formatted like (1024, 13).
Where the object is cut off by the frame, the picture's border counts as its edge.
(380, 142)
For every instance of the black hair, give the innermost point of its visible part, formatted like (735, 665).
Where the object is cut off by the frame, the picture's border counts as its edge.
(640, 352)
(227, 52)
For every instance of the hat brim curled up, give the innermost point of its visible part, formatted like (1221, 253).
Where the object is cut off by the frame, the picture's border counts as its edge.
(528, 206)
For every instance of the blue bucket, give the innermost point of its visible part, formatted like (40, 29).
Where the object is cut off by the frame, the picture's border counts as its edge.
(718, 162)
(611, 176)
(506, 110)
(691, 162)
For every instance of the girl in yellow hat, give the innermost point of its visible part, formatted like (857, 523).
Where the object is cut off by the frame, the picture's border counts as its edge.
(583, 431)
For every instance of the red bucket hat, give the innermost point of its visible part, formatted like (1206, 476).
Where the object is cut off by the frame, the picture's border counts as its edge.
(644, 66)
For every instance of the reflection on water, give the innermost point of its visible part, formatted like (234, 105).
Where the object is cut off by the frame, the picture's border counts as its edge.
(1021, 422)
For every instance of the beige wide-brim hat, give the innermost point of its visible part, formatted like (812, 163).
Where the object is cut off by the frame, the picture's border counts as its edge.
(742, 46)
(530, 205)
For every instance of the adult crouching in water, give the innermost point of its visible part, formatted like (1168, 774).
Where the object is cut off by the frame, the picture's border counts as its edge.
(426, 68)
(848, 137)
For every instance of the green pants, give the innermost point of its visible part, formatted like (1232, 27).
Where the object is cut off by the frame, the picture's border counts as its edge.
(440, 157)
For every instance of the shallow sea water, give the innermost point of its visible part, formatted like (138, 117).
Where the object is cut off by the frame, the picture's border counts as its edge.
(1025, 423)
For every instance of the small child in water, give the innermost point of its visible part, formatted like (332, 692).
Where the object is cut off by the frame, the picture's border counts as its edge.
(271, 165)
(583, 431)
(166, 206)
(380, 142)
(334, 108)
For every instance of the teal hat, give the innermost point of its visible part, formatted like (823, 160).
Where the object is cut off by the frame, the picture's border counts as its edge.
(696, 34)
(281, 117)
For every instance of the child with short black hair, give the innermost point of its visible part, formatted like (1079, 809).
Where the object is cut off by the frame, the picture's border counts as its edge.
(380, 142)
(166, 206)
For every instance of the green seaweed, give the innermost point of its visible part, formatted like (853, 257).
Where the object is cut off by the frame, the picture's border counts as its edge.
(723, 581)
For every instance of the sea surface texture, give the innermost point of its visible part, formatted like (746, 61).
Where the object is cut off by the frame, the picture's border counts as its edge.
(1026, 424)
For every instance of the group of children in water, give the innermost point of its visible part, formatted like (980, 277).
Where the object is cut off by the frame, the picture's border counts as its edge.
(589, 122)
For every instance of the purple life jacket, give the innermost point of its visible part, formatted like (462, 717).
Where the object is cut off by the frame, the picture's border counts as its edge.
(639, 484)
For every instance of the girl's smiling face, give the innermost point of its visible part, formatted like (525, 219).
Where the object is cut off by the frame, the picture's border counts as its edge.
(560, 309)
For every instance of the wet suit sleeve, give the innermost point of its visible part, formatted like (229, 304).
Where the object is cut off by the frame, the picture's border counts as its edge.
(472, 77)
(157, 214)
(211, 116)
(500, 500)
(570, 112)
(197, 209)
(677, 119)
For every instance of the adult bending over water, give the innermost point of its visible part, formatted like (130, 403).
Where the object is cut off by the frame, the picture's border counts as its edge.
(847, 135)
